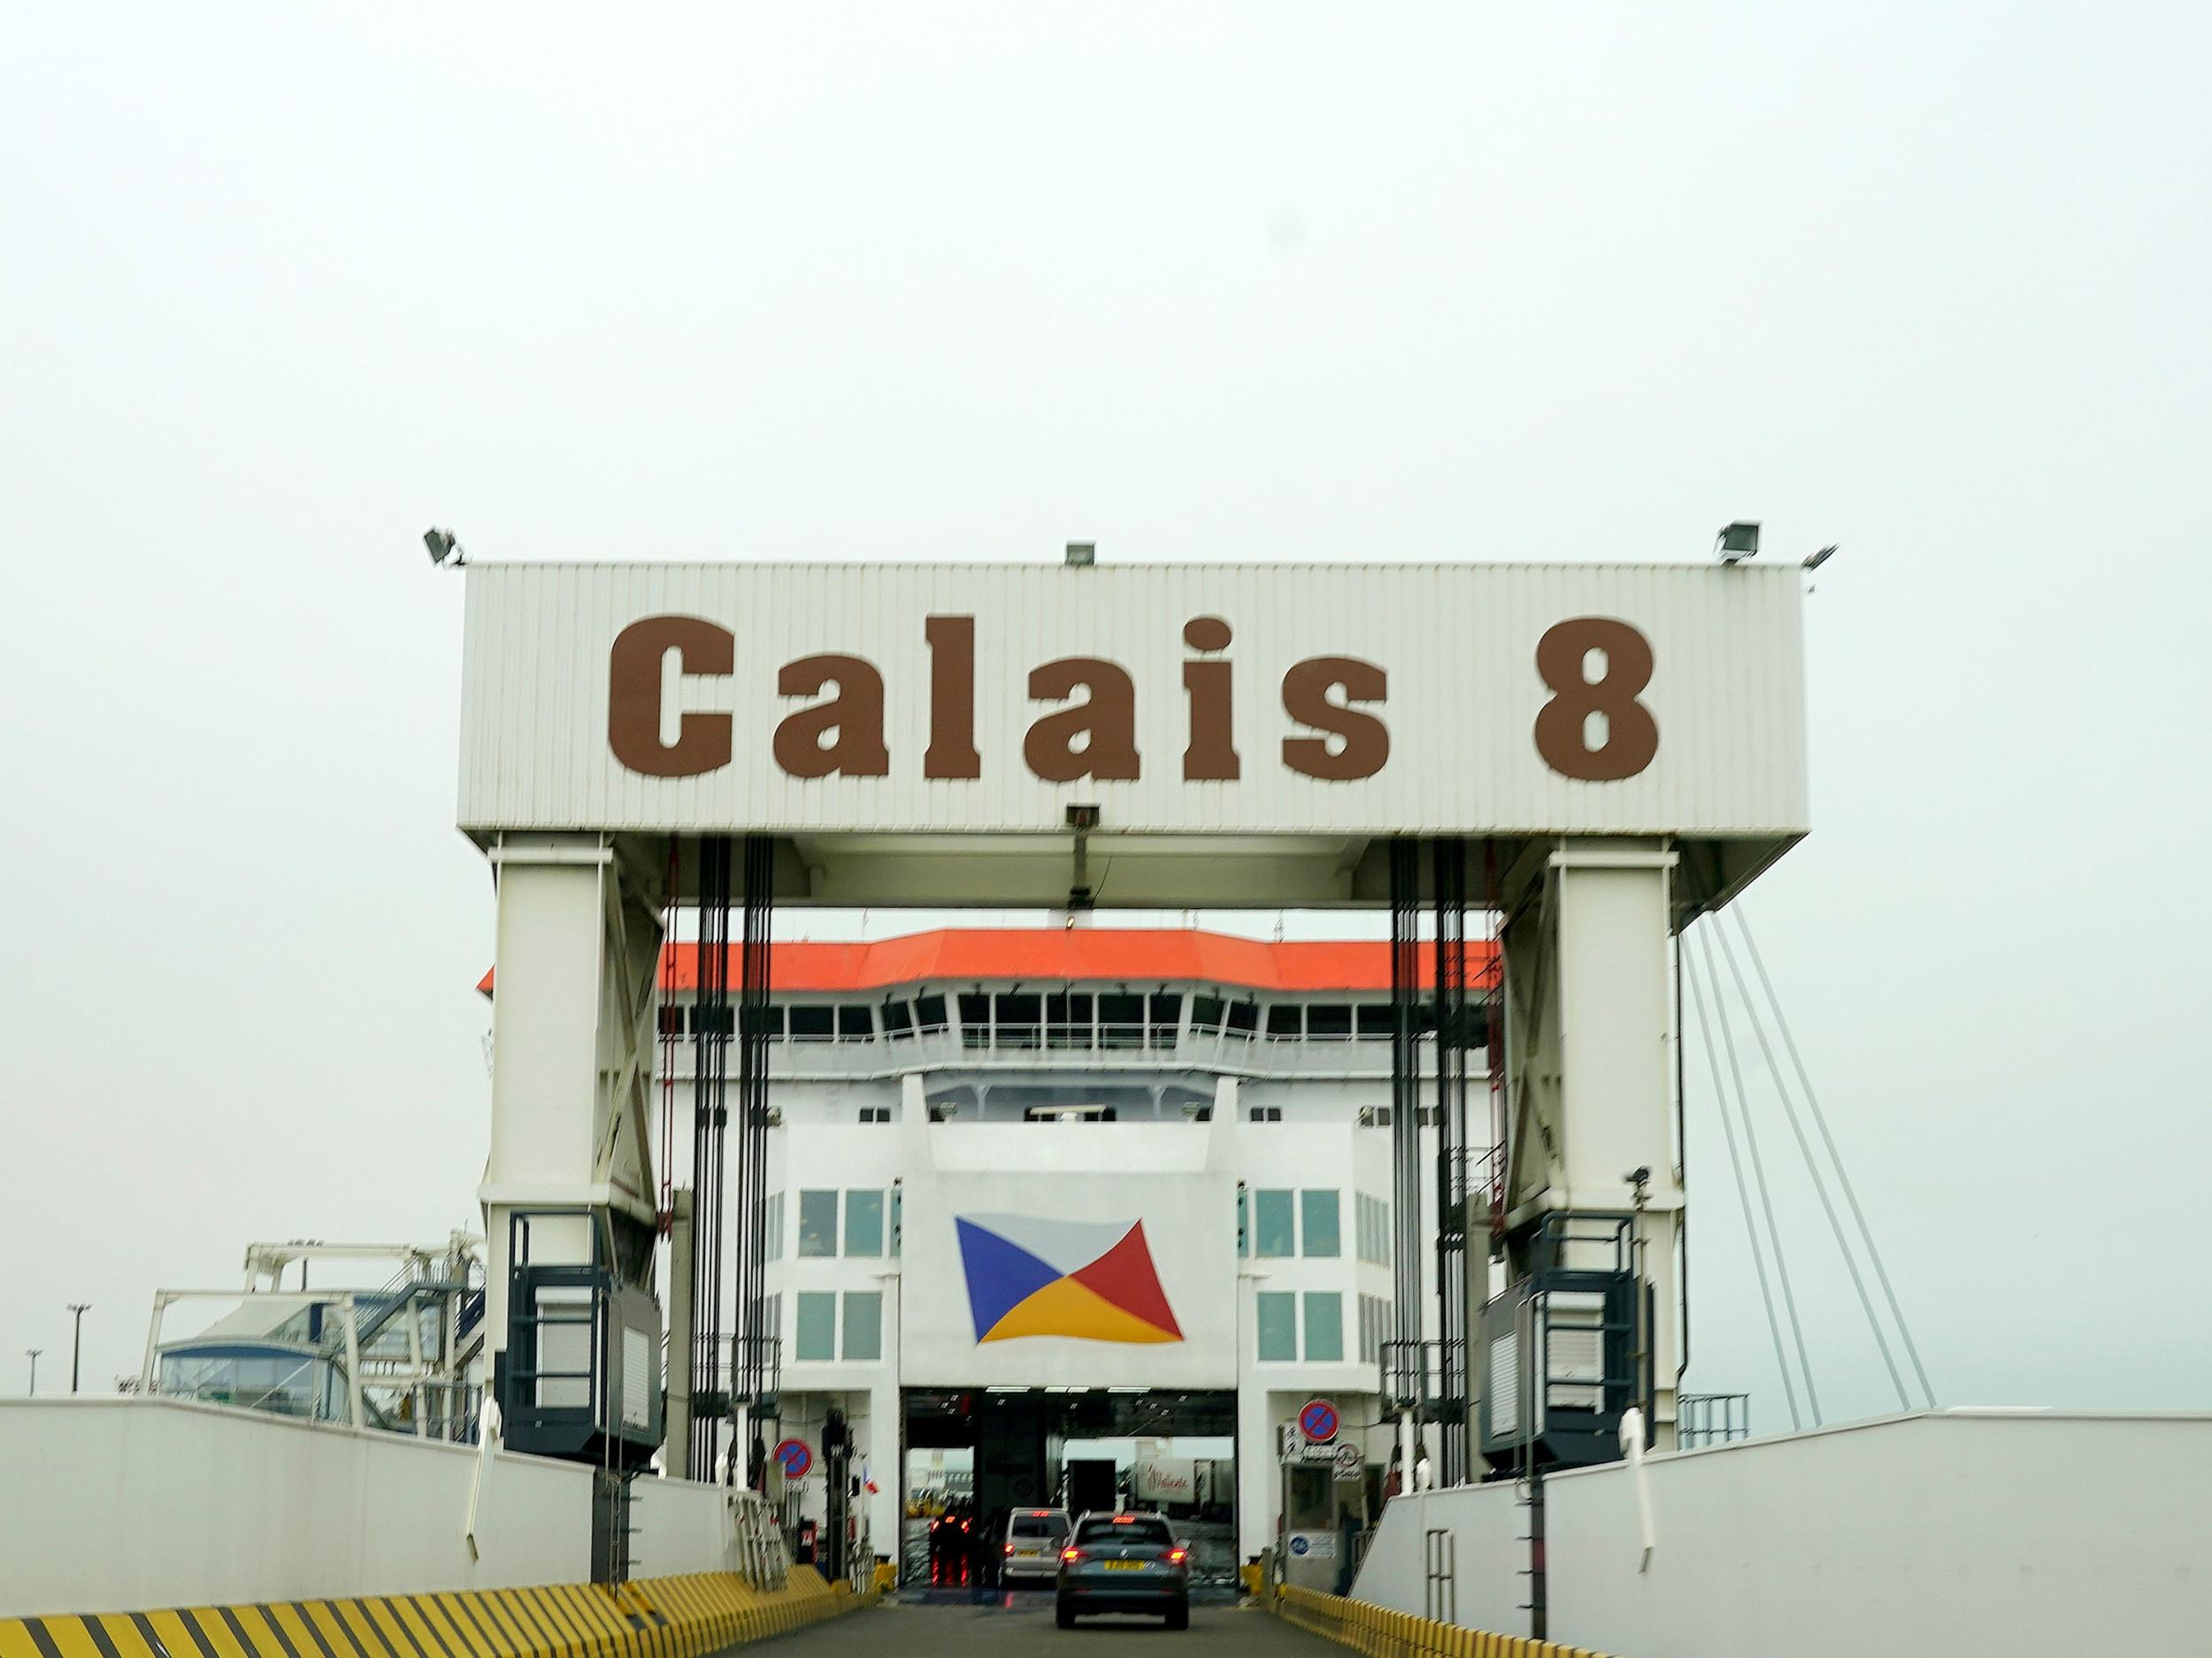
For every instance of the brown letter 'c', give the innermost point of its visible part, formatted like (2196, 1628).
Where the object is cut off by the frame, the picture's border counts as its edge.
(1109, 720)
(856, 714)
(634, 696)
(1306, 690)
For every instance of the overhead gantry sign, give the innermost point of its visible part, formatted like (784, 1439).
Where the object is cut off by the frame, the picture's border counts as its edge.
(1295, 714)
(1625, 744)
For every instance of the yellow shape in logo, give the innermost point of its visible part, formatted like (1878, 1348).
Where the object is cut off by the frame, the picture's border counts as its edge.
(1065, 1307)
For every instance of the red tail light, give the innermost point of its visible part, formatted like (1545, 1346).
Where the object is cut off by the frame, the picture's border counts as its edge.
(1070, 1553)
(1009, 1549)
(1175, 1556)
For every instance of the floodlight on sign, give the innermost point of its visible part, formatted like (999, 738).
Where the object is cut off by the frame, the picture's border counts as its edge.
(1739, 540)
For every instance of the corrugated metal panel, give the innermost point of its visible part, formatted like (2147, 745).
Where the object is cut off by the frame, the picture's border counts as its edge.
(1457, 642)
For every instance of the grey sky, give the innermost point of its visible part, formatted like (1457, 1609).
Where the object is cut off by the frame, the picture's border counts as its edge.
(280, 286)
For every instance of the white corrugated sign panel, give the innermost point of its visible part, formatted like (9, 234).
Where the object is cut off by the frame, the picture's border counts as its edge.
(1458, 644)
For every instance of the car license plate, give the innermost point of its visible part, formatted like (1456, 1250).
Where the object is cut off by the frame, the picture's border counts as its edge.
(1124, 1565)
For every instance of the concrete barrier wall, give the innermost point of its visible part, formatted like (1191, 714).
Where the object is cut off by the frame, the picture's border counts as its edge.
(2027, 1533)
(111, 1503)
(677, 1526)
(661, 1617)
(1381, 1632)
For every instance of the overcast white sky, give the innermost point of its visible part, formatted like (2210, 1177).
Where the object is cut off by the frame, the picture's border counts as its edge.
(280, 286)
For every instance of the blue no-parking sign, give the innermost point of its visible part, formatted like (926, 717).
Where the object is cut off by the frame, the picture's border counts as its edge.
(794, 1457)
(1318, 1420)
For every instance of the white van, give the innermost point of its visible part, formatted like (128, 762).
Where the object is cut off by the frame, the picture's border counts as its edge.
(1035, 1538)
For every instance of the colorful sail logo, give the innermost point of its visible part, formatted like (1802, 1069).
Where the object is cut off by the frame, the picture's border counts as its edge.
(1085, 1280)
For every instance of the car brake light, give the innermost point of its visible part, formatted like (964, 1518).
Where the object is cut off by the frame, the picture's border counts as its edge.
(1175, 1556)
(1009, 1549)
(1070, 1553)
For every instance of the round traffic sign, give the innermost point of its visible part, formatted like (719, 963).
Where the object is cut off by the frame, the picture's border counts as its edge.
(1318, 1420)
(794, 1457)
(1300, 1544)
(1351, 1462)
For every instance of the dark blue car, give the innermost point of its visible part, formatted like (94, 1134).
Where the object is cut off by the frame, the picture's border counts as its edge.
(1124, 1563)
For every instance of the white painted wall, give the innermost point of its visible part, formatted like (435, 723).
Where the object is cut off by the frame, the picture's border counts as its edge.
(678, 1525)
(121, 1504)
(2021, 1533)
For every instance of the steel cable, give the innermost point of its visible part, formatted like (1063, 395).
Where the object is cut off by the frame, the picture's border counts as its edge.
(1843, 1179)
(1759, 1178)
(1743, 1197)
(1820, 1187)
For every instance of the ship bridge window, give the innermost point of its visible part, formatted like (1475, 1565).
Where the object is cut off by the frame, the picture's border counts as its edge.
(1284, 1019)
(672, 1018)
(1324, 1326)
(1121, 1021)
(898, 1019)
(1020, 1019)
(812, 1024)
(1068, 1114)
(817, 1323)
(1166, 1013)
(855, 1024)
(1328, 1021)
(929, 1014)
(720, 1020)
(863, 1325)
(1206, 1013)
(1068, 1019)
(864, 1223)
(817, 1223)
(975, 1019)
(1244, 1017)
(1320, 1221)
(1275, 1327)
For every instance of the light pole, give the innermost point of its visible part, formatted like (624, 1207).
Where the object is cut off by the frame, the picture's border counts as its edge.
(76, 1339)
(32, 1353)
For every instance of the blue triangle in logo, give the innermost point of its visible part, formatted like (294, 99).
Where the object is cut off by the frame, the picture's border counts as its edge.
(1000, 1275)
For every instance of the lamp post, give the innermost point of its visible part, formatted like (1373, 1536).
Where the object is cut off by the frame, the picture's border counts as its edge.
(76, 1339)
(32, 1353)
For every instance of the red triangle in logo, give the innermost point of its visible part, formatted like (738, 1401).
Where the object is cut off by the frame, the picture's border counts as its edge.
(1125, 1276)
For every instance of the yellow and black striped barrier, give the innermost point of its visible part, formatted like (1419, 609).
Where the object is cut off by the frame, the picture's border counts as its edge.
(658, 1617)
(1380, 1633)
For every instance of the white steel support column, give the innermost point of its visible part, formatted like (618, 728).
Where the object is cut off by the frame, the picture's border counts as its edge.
(1590, 1051)
(572, 1045)
(883, 1457)
(682, 1339)
(1259, 1470)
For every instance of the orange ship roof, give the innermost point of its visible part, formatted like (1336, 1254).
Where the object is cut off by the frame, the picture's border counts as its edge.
(952, 955)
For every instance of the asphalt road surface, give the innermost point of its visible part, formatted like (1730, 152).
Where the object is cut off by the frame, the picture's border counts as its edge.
(1025, 1626)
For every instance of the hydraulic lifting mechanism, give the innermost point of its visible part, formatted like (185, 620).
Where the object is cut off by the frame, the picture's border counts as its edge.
(580, 1375)
(1559, 1291)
